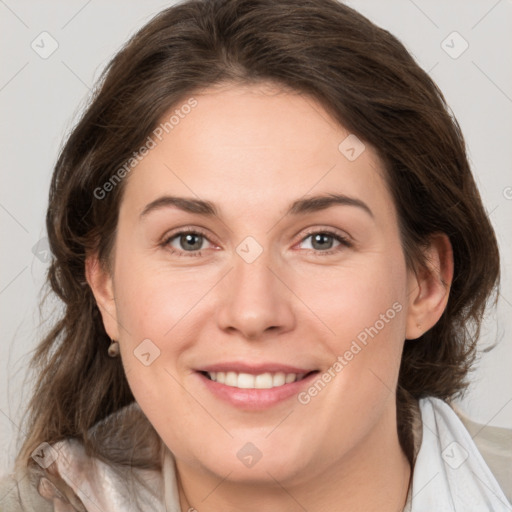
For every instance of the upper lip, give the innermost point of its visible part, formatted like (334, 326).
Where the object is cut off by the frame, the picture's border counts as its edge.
(254, 369)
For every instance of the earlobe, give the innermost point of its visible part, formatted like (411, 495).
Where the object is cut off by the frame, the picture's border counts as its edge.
(429, 287)
(101, 284)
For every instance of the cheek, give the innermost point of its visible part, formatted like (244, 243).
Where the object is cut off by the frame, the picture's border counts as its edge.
(367, 312)
(152, 300)
(364, 298)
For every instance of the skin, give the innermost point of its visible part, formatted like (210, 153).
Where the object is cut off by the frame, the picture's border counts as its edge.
(253, 150)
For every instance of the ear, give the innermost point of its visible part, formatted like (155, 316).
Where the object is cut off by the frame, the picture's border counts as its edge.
(429, 287)
(101, 284)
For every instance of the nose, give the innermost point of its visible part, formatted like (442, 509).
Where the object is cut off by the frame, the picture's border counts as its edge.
(255, 299)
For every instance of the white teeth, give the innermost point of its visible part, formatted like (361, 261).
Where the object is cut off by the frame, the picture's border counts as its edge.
(246, 381)
(290, 378)
(262, 381)
(231, 379)
(249, 381)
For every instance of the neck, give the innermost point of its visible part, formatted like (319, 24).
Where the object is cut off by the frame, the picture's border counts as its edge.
(373, 477)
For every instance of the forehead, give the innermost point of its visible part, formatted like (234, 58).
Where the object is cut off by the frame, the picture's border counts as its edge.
(254, 144)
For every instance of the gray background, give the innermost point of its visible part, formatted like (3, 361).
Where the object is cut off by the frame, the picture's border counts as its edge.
(41, 97)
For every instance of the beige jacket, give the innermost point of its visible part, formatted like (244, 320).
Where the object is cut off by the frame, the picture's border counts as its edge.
(138, 471)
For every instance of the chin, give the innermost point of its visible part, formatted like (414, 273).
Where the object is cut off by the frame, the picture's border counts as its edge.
(245, 463)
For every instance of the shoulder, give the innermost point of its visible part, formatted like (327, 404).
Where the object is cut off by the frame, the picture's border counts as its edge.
(495, 446)
(45, 485)
(124, 474)
(26, 490)
(449, 470)
(10, 495)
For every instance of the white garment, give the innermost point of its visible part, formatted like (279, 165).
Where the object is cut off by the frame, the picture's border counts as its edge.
(450, 474)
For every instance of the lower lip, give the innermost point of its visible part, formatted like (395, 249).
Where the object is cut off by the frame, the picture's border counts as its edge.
(255, 399)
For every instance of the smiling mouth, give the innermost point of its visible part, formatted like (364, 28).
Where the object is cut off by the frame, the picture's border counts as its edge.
(267, 380)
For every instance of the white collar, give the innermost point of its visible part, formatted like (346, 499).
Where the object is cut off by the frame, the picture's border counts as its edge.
(450, 474)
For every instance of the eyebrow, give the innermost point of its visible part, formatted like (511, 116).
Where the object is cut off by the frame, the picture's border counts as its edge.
(299, 207)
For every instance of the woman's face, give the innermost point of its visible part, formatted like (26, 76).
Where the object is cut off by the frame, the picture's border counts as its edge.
(269, 286)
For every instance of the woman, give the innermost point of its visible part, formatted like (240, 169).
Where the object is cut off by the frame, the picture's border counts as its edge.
(266, 217)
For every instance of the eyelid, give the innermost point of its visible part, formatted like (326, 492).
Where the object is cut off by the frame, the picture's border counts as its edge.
(185, 229)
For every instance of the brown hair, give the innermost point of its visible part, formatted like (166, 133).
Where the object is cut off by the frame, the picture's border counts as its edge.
(368, 82)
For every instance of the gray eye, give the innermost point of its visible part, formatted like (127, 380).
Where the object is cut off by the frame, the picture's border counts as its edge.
(187, 242)
(322, 241)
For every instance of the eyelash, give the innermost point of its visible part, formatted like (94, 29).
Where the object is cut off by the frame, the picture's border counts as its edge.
(344, 241)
